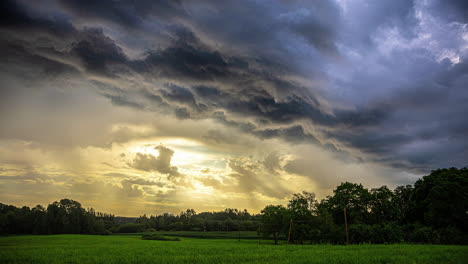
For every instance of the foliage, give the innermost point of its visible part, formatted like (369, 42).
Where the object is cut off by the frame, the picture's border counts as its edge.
(158, 237)
(130, 228)
(274, 220)
(211, 234)
(431, 211)
(226, 220)
(64, 217)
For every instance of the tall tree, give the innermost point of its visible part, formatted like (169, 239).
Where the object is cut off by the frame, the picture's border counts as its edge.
(274, 221)
(441, 198)
(382, 205)
(300, 207)
(355, 198)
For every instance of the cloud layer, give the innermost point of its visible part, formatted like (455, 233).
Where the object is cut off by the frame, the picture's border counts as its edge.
(381, 83)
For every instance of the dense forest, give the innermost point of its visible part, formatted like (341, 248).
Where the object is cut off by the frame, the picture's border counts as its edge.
(433, 210)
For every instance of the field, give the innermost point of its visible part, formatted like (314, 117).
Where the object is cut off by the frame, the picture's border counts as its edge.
(131, 249)
(210, 235)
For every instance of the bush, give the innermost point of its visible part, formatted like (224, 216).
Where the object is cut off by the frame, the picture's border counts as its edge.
(375, 234)
(450, 235)
(130, 228)
(391, 233)
(361, 233)
(421, 234)
(158, 237)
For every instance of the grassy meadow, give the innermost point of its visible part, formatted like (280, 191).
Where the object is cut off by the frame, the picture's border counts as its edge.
(131, 249)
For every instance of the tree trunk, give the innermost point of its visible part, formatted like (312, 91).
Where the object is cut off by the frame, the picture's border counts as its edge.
(275, 235)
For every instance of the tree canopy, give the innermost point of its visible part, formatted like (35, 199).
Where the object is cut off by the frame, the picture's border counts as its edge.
(433, 210)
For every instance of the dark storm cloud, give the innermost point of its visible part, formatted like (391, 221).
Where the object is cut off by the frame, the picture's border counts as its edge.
(54, 38)
(123, 101)
(292, 134)
(179, 94)
(243, 65)
(190, 60)
(265, 28)
(185, 61)
(15, 54)
(126, 13)
(97, 51)
(14, 16)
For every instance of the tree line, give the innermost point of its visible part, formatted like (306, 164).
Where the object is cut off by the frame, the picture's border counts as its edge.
(64, 217)
(433, 210)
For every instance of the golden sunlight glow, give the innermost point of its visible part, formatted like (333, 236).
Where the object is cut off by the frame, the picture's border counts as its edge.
(186, 152)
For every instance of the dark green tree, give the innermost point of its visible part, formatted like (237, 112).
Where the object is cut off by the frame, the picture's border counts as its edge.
(403, 203)
(275, 220)
(441, 199)
(382, 205)
(301, 207)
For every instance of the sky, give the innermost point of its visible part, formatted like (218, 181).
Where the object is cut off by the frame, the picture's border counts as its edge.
(145, 107)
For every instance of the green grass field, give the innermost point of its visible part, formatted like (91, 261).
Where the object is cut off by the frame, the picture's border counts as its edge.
(208, 235)
(131, 249)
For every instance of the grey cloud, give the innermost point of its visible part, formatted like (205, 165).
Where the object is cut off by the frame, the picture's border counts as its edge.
(98, 189)
(362, 19)
(127, 13)
(211, 181)
(272, 162)
(248, 69)
(134, 180)
(143, 182)
(184, 60)
(294, 133)
(420, 126)
(216, 136)
(123, 101)
(99, 54)
(97, 51)
(182, 113)
(179, 94)
(305, 167)
(161, 163)
(263, 29)
(291, 134)
(252, 177)
(452, 10)
(31, 176)
(15, 15)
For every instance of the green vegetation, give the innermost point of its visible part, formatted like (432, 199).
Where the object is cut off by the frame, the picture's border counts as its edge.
(132, 249)
(158, 237)
(210, 235)
(432, 211)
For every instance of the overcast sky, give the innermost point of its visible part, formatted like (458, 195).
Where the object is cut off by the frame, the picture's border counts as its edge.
(136, 107)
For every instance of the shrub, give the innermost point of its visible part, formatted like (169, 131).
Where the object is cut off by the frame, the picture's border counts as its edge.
(450, 235)
(158, 237)
(422, 234)
(130, 228)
